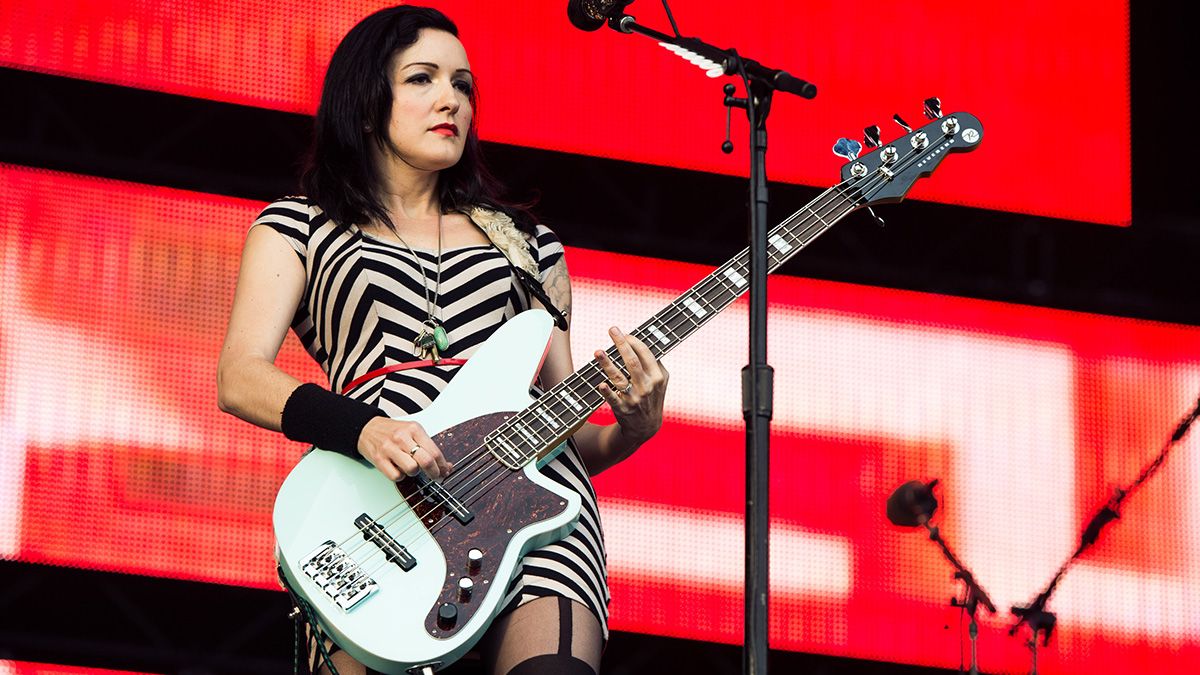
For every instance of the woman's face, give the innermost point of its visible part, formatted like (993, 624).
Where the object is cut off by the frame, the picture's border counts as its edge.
(431, 101)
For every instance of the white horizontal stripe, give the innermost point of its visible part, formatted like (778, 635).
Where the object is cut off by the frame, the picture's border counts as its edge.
(533, 564)
(650, 540)
(1154, 604)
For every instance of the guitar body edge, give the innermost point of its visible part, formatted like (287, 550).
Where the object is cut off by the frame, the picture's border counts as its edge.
(389, 630)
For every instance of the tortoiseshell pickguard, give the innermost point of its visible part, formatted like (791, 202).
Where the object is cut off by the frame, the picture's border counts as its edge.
(502, 505)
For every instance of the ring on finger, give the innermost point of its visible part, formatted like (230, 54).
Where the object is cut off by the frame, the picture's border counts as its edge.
(413, 451)
(628, 388)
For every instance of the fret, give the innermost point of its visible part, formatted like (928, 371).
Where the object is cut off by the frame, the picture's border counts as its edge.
(703, 295)
(723, 283)
(776, 240)
(659, 335)
(818, 216)
(694, 307)
(503, 449)
(719, 296)
(560, 409)
(593, 373)
(544, 413)
(535, 431)
(571, 401)
(666, 328)
(675, 323)
(679, 325)
(524, 431)
(738, 280)
(585, 391)
(676, 312)
(666, 323)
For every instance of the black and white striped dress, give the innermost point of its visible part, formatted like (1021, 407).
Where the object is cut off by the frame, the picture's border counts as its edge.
(362, 307)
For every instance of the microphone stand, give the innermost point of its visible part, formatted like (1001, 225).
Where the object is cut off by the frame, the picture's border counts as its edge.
(757, 377)
(913, 505)
(1042, 621)
(974, 593)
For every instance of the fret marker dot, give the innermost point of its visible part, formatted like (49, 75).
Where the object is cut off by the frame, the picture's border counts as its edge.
(780, 244)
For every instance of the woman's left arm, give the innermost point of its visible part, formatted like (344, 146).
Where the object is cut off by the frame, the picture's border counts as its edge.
(636, 401)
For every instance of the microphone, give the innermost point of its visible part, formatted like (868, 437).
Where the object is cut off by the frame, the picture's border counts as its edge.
(784, 81)
(591, 14)
(912, 504)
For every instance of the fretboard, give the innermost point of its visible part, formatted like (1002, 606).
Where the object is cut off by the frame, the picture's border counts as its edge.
(554, 416)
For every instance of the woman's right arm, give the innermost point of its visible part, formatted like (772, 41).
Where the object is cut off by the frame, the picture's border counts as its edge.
(270, 283)
(269, 287)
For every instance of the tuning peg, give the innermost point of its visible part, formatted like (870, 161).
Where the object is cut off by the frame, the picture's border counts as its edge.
(847, 148)
(900, 120)
(933, 108)
(871, 136)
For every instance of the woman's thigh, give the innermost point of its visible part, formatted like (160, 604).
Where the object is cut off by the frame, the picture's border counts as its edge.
(550, 630)
(546, 630)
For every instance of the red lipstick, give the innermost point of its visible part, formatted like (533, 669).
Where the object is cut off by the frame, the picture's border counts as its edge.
(446, 129)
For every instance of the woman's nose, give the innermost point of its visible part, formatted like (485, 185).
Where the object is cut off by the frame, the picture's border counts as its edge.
(448, 98)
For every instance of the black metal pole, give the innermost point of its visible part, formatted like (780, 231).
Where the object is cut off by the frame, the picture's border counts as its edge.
(757, 378)
(757, 390)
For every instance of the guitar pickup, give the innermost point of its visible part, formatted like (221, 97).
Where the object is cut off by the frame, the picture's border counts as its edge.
(434, 493)
(392, 549)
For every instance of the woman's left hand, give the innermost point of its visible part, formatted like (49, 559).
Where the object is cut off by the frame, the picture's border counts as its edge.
(636, 400)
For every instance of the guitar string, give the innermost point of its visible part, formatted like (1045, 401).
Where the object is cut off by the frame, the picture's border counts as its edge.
(534, 411)
(665, 321)
(706, 288)
(504, 470)
(500, 470)
(702, 295)
(488, 482)
(579, 385)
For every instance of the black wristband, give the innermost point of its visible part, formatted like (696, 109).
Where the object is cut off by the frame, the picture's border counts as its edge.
(316, 415)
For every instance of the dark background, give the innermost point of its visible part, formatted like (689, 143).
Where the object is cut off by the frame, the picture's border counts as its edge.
(1145, 271)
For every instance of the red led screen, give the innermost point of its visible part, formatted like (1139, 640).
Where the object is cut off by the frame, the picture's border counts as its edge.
(25, 668)
(114, 456)
(1049, 82)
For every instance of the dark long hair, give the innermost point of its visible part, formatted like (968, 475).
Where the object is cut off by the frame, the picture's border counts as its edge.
(339, 173)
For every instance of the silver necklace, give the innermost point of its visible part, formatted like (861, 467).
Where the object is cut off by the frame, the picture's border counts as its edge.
(432, 340)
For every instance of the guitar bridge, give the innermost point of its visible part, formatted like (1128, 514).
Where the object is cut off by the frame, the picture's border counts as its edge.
(338, 576)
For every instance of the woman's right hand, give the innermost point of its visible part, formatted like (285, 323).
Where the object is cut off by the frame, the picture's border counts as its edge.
(398, 449)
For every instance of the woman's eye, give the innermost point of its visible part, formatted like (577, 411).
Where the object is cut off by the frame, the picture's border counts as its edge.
(419, 78)
(464, 86)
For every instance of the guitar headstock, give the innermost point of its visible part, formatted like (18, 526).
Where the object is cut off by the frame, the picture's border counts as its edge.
(886, 173)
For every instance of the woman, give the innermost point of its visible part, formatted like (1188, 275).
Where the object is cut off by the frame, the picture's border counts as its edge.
(386, 264)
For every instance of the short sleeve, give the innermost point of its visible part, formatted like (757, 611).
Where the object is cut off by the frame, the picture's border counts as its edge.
(549, 250)
(290, 217)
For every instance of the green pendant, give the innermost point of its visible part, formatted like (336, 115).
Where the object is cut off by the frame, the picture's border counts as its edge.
(440, 338)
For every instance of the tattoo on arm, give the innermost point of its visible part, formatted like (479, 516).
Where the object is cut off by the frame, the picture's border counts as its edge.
(558, 287)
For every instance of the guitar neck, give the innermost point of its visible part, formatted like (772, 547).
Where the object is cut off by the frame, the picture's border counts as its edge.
(561, 410)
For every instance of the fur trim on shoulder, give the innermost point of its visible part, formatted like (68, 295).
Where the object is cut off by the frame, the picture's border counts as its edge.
(505, 236)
